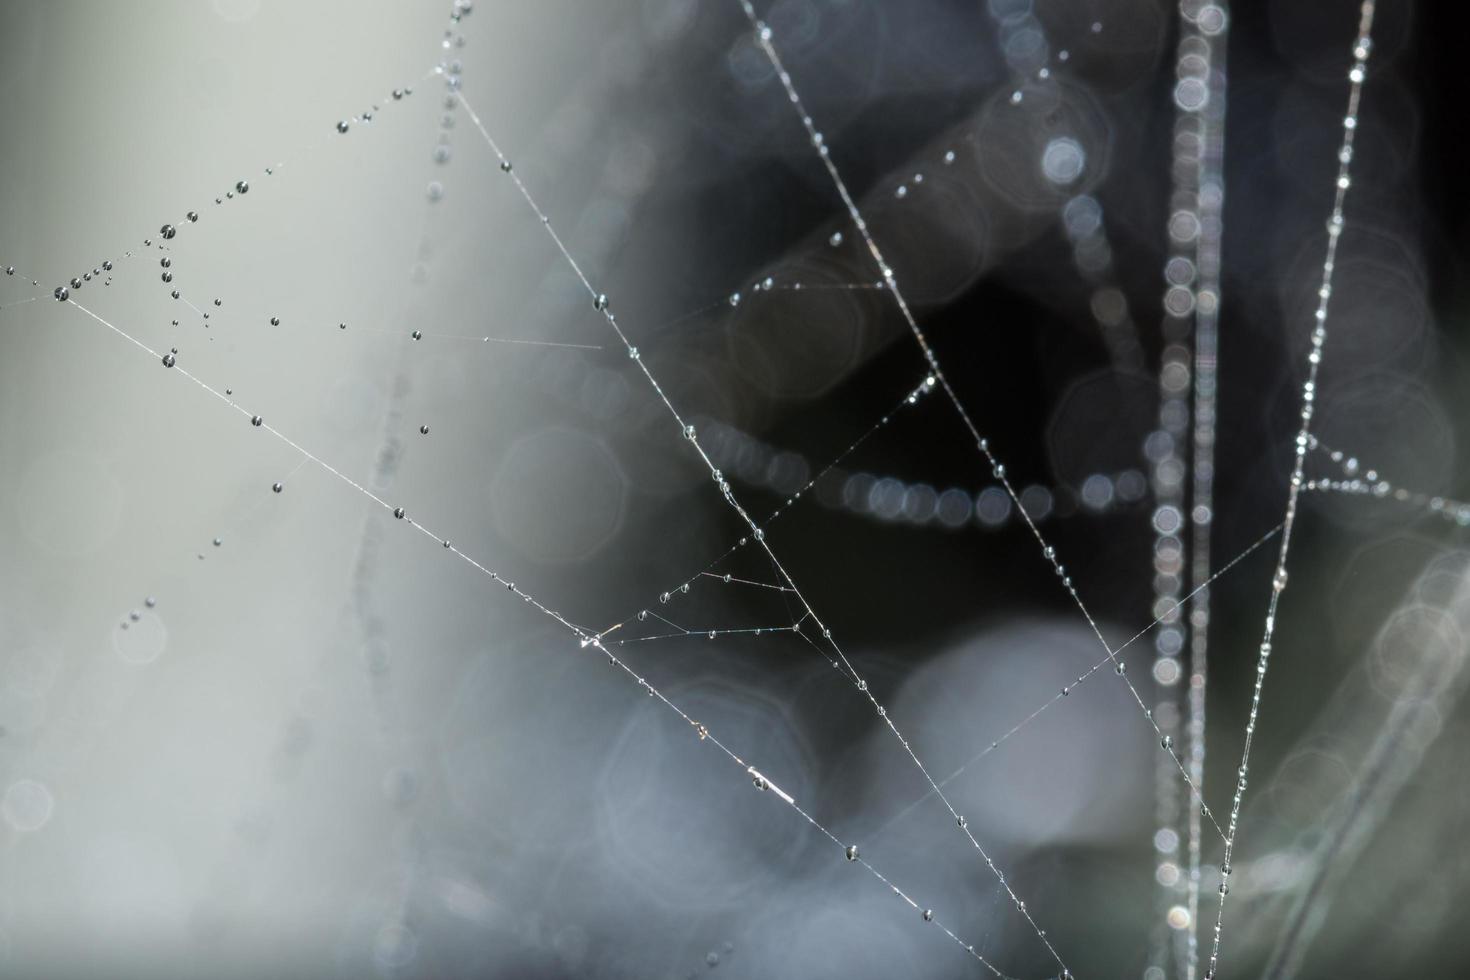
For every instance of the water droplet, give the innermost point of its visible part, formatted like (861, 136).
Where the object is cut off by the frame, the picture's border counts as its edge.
(423, 430)
(1167, 741)
(168, 360)
(600, 303)
(242, 187)
(193, 216)
(505, 166)
(928, 915)
(165, 261)
(275, 321)
(167, 231)
(277, 487)
(62, 294)
(256, 420)
(398, 512)
(417, 335)
(342, 126)
(168, 276)
(852, 852)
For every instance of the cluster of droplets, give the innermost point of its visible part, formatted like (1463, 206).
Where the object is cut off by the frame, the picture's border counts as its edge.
(1365, 481)
(1035, 67)
(893, 500)
(136, 615)
(169, 230)
(1187, 367)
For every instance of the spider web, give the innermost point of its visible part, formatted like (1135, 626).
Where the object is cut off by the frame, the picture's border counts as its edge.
(792, 616)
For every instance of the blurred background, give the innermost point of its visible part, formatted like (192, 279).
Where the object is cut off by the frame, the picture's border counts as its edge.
(257, 734)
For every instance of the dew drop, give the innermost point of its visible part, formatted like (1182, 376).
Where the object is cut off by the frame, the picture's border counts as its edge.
(242, 187)
(277, 487)
(168, 360)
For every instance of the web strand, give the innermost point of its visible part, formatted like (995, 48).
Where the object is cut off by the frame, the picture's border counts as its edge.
(1362, 46)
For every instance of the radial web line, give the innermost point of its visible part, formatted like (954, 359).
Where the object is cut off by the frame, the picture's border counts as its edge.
(1362, 45)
